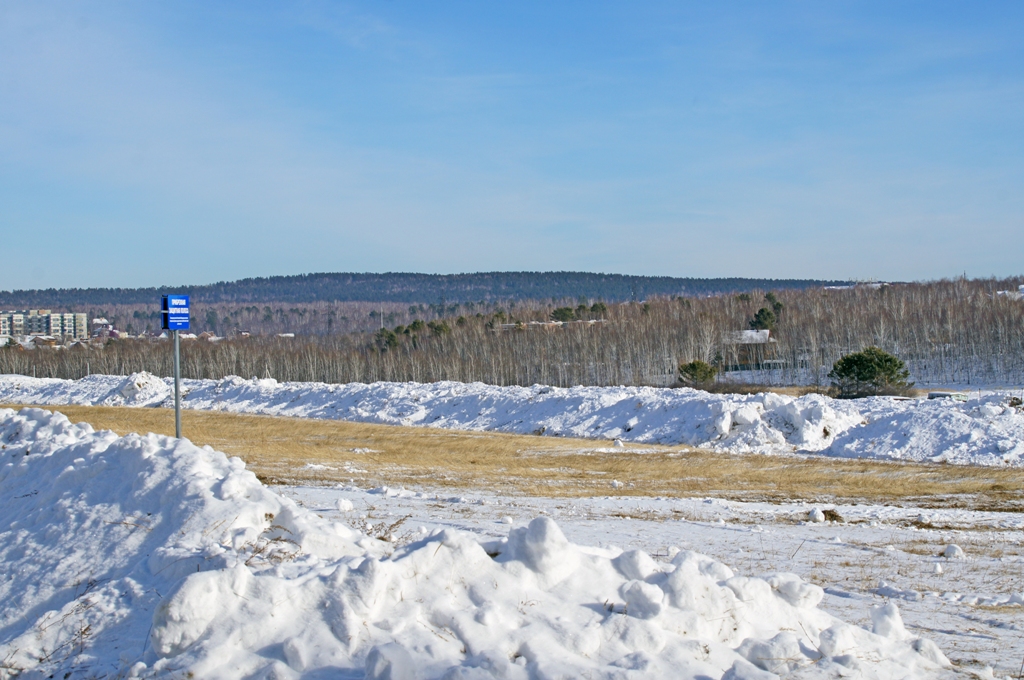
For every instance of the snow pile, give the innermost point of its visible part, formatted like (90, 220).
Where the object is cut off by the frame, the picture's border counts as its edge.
(96, 529)
(885, 551)
(985, 430)
(953, 552)
(145, 556)
(140, 389)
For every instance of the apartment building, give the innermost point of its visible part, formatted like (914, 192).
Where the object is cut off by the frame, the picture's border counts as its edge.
(65, 325)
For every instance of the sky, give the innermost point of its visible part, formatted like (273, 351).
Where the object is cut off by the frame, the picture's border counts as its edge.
(151, 144)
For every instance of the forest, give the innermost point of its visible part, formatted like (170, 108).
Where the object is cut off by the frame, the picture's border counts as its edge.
(405, 288)
(948, 332)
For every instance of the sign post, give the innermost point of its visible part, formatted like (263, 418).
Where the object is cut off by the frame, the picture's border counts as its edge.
(174, 313)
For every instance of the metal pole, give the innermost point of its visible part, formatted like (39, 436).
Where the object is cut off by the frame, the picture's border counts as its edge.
(177, 386)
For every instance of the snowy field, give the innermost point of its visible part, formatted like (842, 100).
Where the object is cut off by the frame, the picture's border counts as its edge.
(986, 429)
(146, 556)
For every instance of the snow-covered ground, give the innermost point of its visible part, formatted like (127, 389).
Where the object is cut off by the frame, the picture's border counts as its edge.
(984, 430)
(969, 603)
(146, 556)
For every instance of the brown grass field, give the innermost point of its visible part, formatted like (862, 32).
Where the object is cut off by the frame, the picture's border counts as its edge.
(323, 452)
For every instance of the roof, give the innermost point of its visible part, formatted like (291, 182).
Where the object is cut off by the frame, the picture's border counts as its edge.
(747, 337)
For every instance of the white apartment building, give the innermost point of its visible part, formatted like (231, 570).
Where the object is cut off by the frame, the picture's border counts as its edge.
(65, 325)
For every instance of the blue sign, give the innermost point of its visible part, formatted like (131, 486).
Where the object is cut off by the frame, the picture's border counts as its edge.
(175, 312)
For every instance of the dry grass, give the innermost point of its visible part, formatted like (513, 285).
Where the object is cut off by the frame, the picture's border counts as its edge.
(298, 451)
(795, 390)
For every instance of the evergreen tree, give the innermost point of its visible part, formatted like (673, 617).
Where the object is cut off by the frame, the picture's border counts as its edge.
(869, 372)
(697, 373)
(563, 314)
(763, 320)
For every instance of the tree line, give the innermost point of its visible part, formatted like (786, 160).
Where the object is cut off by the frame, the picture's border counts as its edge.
(403, 288)
(947, 332)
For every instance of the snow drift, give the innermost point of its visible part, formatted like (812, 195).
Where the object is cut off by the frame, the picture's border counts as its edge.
(985, 430)
(146, 556)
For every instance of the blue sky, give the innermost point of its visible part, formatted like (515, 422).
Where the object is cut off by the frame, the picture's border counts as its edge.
(152, 144)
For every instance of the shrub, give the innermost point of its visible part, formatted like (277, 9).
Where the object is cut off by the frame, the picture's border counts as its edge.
(869, 372)
(697, 373)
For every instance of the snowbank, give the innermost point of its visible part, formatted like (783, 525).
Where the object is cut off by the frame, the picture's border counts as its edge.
(981, 431)
(145, 556)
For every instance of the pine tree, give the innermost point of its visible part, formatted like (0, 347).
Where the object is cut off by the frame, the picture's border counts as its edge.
(869, 372)
(763, 320)
(697, 373)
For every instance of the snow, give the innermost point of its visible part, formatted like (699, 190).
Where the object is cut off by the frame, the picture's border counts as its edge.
(873, 555)
(984, 430)
(146, 556)
(953, 552)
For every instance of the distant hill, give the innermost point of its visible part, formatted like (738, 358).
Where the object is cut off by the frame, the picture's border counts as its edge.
(418, 288)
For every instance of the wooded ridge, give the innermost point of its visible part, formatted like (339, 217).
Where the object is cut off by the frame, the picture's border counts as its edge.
(408, 288)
